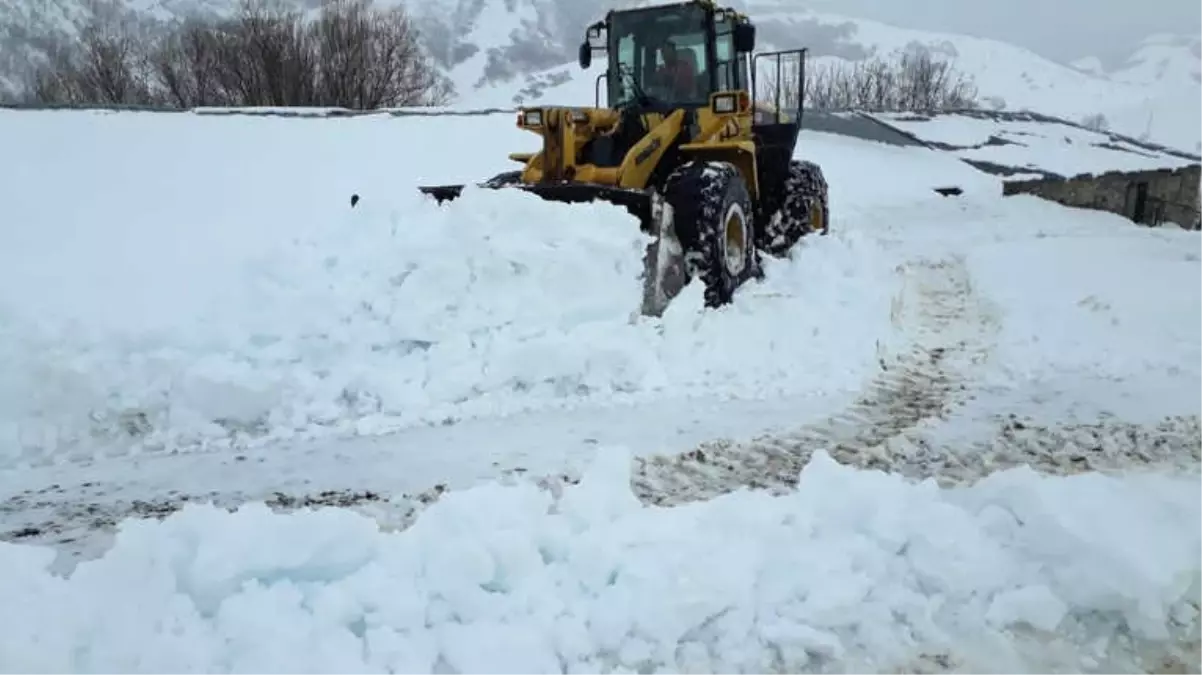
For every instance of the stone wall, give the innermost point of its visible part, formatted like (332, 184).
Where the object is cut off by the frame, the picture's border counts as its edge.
(1146, 197)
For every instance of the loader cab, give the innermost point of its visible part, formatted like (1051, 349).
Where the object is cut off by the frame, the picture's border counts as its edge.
(670, 56)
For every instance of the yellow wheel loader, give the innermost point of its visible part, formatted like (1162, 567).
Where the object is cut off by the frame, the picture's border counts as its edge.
(684, 145)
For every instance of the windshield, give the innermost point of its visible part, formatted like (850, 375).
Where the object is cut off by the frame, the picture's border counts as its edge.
(660, 53)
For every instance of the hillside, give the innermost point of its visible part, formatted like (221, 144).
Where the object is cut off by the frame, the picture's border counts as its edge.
(1167, 69)
(501, 52)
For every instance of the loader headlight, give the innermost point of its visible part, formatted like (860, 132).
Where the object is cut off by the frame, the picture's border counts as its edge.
(532, 118)
(580, 116)
(725, 104)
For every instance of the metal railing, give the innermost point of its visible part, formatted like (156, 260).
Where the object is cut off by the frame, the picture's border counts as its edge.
(799, 95)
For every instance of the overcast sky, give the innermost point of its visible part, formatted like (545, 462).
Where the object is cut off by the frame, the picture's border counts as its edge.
(1059, 29)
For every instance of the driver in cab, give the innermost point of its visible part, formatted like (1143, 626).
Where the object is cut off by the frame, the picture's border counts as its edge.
(678, 73)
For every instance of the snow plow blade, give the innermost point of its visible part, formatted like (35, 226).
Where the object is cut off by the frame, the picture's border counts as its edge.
(636, 202)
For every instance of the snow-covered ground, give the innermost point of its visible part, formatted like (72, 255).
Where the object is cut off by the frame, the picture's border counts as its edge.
(248, 299)
(192, 313)
(1042, 146)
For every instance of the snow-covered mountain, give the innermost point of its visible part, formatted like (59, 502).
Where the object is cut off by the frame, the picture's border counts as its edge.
(502, 52)
(29, 29)
(1157, 90)
(477, 42)
(1156, 95)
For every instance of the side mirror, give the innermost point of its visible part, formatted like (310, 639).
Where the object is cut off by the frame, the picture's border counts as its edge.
(744, 37)
(586, 55)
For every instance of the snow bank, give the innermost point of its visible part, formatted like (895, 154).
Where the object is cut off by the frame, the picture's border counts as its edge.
(867, 180)
(201, 278)
(1095, 295)
(855, 571)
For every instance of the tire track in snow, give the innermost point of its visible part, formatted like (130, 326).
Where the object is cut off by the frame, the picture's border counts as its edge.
(935, 298)
(951, 328)
(884, 429)
(938, 308)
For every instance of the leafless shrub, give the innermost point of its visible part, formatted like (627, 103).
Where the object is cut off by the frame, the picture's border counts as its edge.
(186, 66)
(266, 57)
(372, 59)
(350, 55)
(105, 64)
(914, 81)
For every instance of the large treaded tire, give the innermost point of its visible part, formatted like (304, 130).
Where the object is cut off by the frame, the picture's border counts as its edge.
(805, 209)
(703, 197)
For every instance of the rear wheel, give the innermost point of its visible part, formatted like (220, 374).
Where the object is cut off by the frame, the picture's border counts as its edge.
(804, 209)
(712, 216)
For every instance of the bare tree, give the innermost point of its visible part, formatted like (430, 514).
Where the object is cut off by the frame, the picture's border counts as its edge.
(264, 57)
(351, 55)
(105, 65)
(54, 81)
(114, 68)
(186, 67)
(913, 81)
(372, 59)
(929, 84)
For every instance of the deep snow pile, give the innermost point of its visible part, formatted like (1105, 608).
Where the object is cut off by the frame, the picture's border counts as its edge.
(1087, 315)
(854, 571)
(230, 292)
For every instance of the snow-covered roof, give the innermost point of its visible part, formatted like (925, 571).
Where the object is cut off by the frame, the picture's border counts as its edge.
(1031, 143)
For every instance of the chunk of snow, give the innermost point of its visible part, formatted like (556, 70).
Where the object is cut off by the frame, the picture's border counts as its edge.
(232, 296)
(856, 570)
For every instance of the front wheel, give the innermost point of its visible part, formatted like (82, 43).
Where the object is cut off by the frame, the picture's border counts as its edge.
(713, 219)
